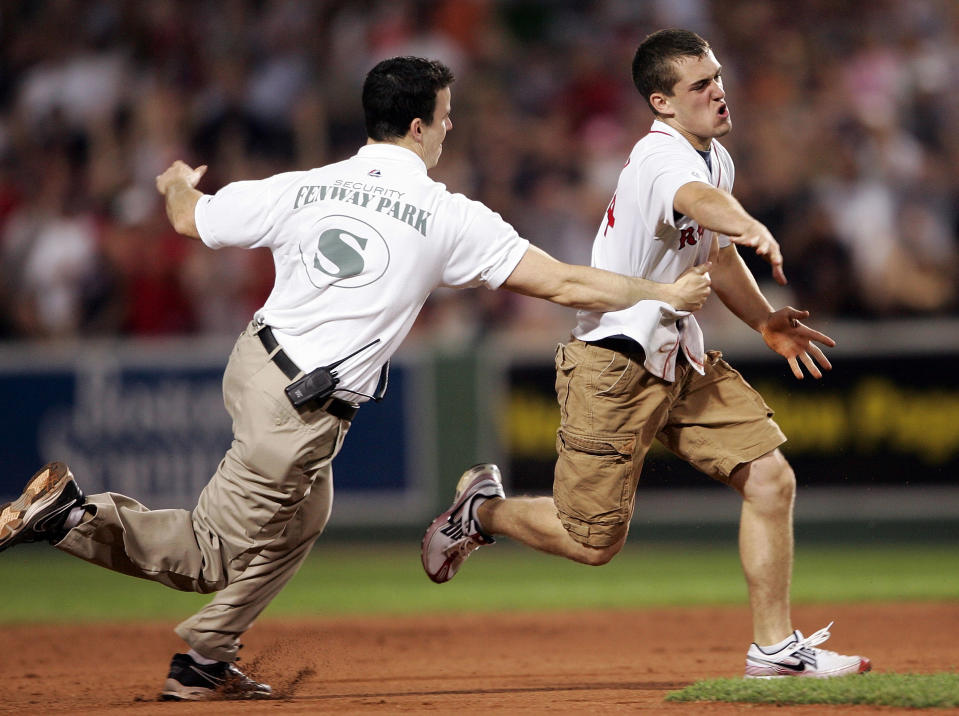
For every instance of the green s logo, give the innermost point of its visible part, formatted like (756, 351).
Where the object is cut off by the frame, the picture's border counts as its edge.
(344, 252)
(343, 260)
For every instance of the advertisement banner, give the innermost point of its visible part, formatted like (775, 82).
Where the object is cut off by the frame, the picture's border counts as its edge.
(884, 421)
(156, 429)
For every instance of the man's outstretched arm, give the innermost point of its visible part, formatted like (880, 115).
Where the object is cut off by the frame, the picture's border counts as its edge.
(177, 185)
(540, 275)
(719, 210)
(781, 330)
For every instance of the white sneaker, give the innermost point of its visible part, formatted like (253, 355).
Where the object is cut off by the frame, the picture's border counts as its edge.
(456, 533)
(799, 658)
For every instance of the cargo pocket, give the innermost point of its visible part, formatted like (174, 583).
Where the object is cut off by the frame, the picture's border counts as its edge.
(594, 479)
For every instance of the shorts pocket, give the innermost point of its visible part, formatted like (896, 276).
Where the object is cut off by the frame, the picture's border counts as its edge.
(594, 476)
(613, 379)
(565, 364)
(743, 390)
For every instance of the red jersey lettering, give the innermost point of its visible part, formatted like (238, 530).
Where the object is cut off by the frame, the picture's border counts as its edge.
(610, 218)
(690, 235)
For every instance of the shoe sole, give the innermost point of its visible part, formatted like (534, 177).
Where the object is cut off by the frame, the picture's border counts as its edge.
(173, 690)
(42, 491)
(864, 666)
(442, 575)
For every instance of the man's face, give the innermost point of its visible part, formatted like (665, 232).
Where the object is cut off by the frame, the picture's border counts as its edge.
(697, 107)
(435, 133)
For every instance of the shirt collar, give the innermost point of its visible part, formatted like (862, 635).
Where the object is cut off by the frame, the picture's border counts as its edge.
(394, 152)
(662, 128)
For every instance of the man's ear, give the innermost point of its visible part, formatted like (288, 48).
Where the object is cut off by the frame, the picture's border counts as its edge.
(660, 103)
(416, 130)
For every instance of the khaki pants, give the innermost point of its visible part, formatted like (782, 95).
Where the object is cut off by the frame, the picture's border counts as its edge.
(254, 522)
(611, 410)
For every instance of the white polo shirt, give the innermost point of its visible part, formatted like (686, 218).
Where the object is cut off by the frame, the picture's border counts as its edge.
(641, 236)
(358, 246)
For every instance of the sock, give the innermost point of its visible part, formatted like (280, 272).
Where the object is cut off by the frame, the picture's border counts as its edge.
(474, 508)
(74, 516)
(202, 660)
(776, 647)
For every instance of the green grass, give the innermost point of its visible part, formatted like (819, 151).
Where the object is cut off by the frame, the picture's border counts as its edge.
(42, 584)
(901, 690)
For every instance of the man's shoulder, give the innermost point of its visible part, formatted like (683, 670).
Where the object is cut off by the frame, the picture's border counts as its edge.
(290, 176)
(658, 146)
(655, 138)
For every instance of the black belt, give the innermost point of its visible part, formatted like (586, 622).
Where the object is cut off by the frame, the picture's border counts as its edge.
(334, 406)
(620, 344)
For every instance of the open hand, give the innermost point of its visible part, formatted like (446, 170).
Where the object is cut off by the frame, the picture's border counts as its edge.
(785, 334)
(758, 237)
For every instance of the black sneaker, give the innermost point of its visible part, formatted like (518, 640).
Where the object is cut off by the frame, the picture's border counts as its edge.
(189, 681)
(39, 513)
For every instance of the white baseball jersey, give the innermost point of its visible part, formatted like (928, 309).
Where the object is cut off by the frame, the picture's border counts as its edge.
(642, 236)
(358, 246)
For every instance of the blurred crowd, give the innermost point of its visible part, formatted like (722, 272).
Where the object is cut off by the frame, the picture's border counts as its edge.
(843, 140)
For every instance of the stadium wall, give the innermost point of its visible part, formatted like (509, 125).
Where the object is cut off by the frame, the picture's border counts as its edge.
(876, 439)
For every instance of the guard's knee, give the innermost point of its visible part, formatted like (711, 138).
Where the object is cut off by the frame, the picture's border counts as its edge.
(200, 585)
(209, 587)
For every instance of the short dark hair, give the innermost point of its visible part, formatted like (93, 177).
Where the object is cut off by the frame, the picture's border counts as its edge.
(654, 68)
(399, 90)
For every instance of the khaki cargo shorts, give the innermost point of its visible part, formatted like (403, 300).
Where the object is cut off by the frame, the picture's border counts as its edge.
(612, 409)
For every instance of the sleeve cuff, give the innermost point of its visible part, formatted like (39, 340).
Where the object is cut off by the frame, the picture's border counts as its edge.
(495, 278)
(200, 219)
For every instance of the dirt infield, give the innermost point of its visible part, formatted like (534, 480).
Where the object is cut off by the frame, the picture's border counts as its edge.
(557, 662)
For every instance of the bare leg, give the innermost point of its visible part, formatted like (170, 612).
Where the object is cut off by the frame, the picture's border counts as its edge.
(768, 488)
(534, 522)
